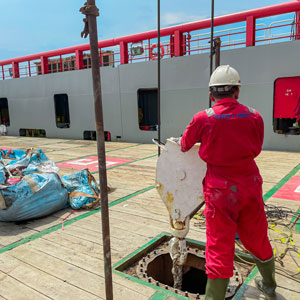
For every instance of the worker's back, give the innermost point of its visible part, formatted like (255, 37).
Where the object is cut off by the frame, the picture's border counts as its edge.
(231, 136)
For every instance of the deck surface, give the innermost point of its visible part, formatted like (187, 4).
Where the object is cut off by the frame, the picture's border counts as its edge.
(41, 260)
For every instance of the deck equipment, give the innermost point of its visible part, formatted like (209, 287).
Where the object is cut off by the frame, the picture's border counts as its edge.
(179, 183)
(91, 11)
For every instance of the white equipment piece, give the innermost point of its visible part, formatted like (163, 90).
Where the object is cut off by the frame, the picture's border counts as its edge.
(179, 178)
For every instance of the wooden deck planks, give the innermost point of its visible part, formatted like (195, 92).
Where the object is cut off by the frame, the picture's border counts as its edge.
(40, 280)
(78, 270)
(68, 264)
(287, 289)
(14, 289)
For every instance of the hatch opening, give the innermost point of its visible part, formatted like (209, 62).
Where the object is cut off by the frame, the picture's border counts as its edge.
(194, 278)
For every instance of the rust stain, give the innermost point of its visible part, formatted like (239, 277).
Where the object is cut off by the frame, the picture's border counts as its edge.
(160, 188)
(167, 197)
(169, 201)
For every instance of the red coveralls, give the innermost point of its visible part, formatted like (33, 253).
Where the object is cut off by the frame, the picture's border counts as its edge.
(231, 136)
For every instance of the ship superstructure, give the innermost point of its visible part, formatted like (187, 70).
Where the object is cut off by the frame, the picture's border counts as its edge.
(49, 94)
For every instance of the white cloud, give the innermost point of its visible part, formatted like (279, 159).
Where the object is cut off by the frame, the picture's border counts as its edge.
(176, 18)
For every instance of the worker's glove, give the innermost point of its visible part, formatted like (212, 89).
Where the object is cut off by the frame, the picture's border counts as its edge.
(176, 140)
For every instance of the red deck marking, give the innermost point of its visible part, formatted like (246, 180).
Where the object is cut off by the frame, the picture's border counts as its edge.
(90, 162)
(5, 148)
(291, 190)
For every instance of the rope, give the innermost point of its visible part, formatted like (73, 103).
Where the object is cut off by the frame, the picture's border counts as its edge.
(88, 10)
(178, 253)
(66, 218)
(177, 272)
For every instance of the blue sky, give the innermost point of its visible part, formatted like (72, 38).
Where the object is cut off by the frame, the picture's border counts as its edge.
(32, 26)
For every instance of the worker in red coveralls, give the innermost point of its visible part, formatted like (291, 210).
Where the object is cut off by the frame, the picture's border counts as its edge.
(231, 136)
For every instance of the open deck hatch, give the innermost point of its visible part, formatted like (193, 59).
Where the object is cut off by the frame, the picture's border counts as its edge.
(152, 264)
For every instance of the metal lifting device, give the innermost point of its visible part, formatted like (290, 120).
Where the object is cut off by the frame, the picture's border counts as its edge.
(179, 183)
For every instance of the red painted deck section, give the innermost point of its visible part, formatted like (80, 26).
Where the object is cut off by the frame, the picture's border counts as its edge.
(290, 191)
(5, 148)
(91, 163)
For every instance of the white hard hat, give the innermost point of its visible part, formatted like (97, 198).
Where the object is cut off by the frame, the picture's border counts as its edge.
(225, 75)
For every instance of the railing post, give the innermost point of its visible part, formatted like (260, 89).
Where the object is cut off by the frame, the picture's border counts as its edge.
(178, 40)
(297, 31)
(16, 70)
(123, 53)
(250, 31)
(100, 58)
(29, 69)
(44, 65)
(79, 60)
(172, 51)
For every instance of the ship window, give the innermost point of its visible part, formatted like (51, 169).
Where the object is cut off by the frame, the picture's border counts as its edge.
(62, 114)
(87, 62)
(4, 113)
(91, 135)
(147, 109)
(32, 132)
(105, 60)
(286, 118)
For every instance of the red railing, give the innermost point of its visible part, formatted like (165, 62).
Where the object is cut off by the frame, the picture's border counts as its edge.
(176, 41)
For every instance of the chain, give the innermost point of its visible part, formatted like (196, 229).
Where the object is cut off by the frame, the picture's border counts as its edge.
(178, 252)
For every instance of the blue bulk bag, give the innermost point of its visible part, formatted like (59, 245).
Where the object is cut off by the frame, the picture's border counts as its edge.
(35, 196)
(11, 154)
(84, 192)
(40, 190)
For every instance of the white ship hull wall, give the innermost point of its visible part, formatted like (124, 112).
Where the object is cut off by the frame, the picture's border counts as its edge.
(184, 82)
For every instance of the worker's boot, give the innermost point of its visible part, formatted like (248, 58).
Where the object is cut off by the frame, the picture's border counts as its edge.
(216, 288)
(266, 283)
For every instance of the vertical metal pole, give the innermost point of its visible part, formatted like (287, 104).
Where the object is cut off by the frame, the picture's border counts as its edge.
(61, 63)
(211, 40)
(217, 48)
(29, 68)
(158, 72)
(92, 23)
